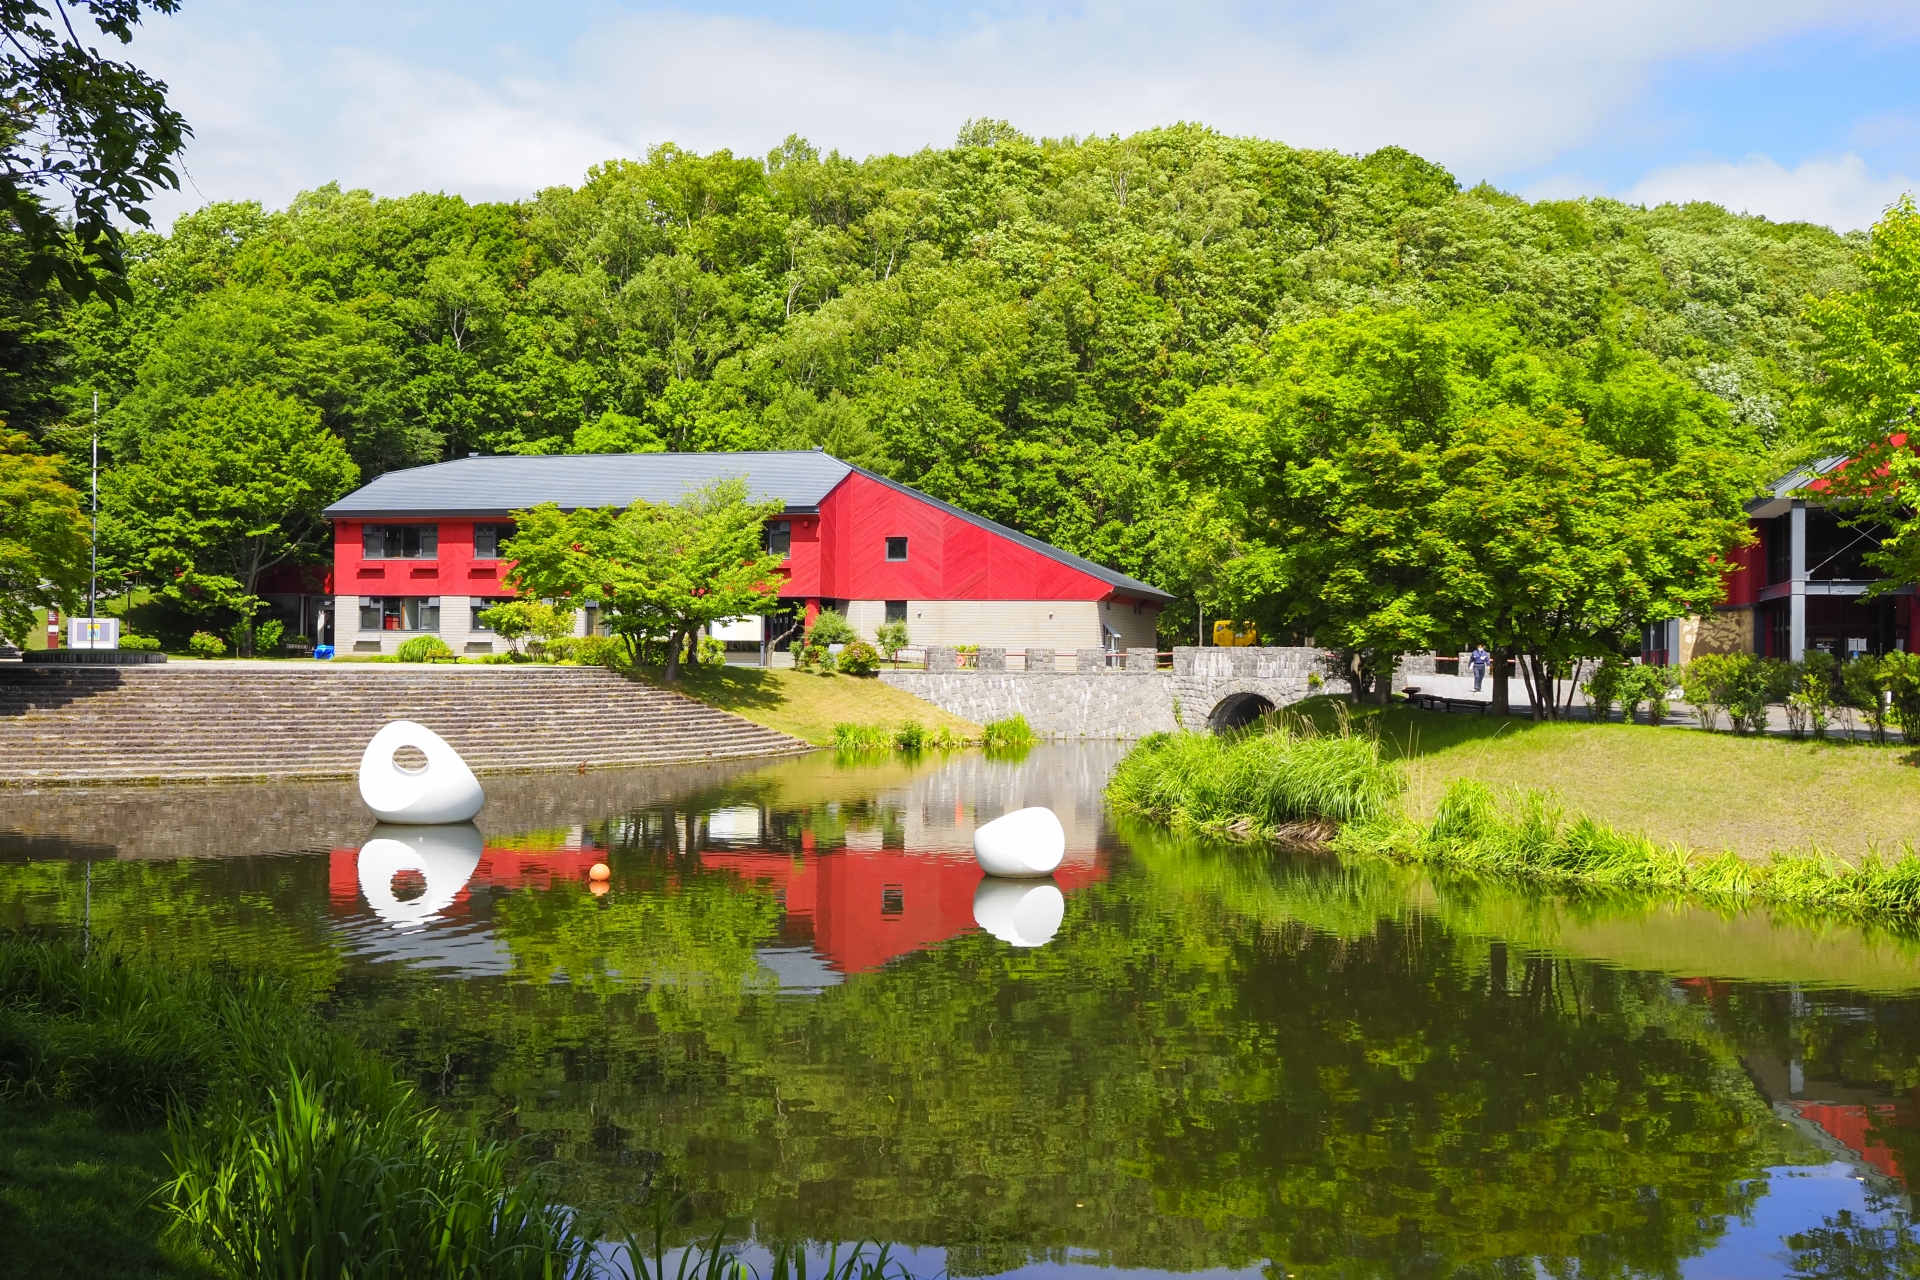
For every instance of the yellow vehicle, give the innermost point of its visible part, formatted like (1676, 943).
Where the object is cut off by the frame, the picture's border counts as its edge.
(1225, 635)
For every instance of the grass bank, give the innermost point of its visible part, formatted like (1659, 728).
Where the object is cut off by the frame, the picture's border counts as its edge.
(1754, 795)
(192, 1122)
(1409, 797)
(808, 705)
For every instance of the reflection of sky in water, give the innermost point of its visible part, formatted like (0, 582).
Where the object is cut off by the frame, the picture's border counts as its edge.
(1797, 1199)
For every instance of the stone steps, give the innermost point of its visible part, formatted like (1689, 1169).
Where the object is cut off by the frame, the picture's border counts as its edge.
(104, 724)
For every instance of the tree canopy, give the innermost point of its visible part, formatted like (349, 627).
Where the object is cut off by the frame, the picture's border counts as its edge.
(1009, 324)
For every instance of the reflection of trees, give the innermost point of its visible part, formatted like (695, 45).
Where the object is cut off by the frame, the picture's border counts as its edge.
(1172, 1083)
(1882, 1246)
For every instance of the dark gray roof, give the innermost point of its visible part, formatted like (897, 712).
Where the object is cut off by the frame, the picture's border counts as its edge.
(482, 487)
(1778, 499)
(495, 486)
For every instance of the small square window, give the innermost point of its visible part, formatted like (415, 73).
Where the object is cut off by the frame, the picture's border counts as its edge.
(780, 537)
(487, 539)
(893, 899)
(896, 611)
(896, 548)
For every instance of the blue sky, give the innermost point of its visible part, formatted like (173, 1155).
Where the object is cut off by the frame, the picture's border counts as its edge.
(1793, 110)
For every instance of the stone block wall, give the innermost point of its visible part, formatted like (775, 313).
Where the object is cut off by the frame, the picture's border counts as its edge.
(1097, 701)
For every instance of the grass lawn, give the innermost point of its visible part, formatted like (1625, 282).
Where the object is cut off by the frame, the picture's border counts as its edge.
(1710, 791)
(76, 1198)
(805, 704)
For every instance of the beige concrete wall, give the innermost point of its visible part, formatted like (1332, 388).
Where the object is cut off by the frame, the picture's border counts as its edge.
(1011, 624)
(1137, 630)
(1722, 631)
(456, 629)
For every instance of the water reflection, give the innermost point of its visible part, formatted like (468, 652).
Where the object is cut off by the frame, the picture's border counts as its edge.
(801, 1003)
(440, 858)
(1021, 912)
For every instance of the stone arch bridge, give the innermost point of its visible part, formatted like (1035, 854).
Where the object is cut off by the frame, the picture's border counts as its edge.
(1208, 688)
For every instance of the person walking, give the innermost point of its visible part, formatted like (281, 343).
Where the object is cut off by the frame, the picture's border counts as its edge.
(1479, 660)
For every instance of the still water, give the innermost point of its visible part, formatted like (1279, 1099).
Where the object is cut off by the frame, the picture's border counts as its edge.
(1224, 1060)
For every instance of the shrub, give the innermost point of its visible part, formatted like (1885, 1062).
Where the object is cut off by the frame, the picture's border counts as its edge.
(423, 649)
(859, 659)
(1258, 782)
(814, 657)
(1900, 677)
(831, 627)
(1603, 689)
(945, 739)
(517, 621)
(1649, 685)
(890, 638)
(138, 644)
(1862, 684)
(1810, 698)
(1739, 684)
(266, 636)
(861, 737)
(1014, 731)
(713, 653)
(911, 736)
(205, 644)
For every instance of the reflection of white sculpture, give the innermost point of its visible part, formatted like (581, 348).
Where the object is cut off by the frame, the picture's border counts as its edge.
(444, 790)
(1026, 842)
(1019, 911)
(443, 856)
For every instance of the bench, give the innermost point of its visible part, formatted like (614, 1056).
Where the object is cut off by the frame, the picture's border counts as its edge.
(1441, 702)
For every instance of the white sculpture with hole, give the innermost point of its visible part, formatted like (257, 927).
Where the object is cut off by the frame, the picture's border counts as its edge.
(443, 857)
(1026, 842)
(442, 790)
(1020, 912)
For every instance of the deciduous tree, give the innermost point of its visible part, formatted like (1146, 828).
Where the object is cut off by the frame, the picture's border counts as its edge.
(43, 537)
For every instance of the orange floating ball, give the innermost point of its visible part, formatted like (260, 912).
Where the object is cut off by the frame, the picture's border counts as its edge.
(598, 887)
(599, 871)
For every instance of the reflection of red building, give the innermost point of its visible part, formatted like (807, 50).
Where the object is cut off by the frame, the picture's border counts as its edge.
(856, 908)
(860, 908)
(1852, 1124)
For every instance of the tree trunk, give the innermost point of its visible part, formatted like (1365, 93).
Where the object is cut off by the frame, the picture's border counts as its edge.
(672, 672)
(1502, 699)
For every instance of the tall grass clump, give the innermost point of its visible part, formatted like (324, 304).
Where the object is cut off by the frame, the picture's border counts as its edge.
(294, 1151)
(1286, 776)
(316, 1186)
(1009, 734)
(1525, 834)
(910, 737)
(861, 737)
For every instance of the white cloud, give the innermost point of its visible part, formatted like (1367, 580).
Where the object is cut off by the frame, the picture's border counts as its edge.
(1836, 191)
(1485, 86)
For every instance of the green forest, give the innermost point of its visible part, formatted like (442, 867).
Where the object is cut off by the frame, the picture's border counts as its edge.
(1055, 333)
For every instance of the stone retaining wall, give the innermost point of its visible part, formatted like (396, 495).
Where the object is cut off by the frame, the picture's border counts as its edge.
(1097, 701)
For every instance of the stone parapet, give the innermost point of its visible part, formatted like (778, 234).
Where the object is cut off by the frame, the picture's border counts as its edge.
(1205, 687)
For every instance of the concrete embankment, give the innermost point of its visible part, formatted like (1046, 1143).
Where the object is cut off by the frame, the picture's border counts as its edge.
(206, 721)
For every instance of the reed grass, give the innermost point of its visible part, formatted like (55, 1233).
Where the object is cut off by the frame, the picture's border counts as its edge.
(1285, 774)
(316, 1187)
(910, 737)
(293, 1151)
(1008, 734)
(862, 737)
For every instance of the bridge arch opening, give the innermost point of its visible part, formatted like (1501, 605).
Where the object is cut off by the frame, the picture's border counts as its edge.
(1238, 710)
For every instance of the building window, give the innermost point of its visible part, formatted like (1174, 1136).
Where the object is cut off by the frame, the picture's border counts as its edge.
(487, 539)
(400, 541)
(480, 607)
(780, 537)
(400, 613)
(896, 548)
(896, 611)
(893, 899)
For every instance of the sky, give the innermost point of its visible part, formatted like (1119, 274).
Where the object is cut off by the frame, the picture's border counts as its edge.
(1794, 110)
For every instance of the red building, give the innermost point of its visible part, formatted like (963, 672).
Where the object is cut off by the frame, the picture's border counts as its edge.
(417, 551)
(1800, 586)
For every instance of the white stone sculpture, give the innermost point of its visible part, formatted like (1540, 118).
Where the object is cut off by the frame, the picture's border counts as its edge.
(443, 790)
(1026, 842)
(444, 856)
(1021, 912)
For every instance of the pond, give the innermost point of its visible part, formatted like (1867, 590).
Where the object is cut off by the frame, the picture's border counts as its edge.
(1223, 1060)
